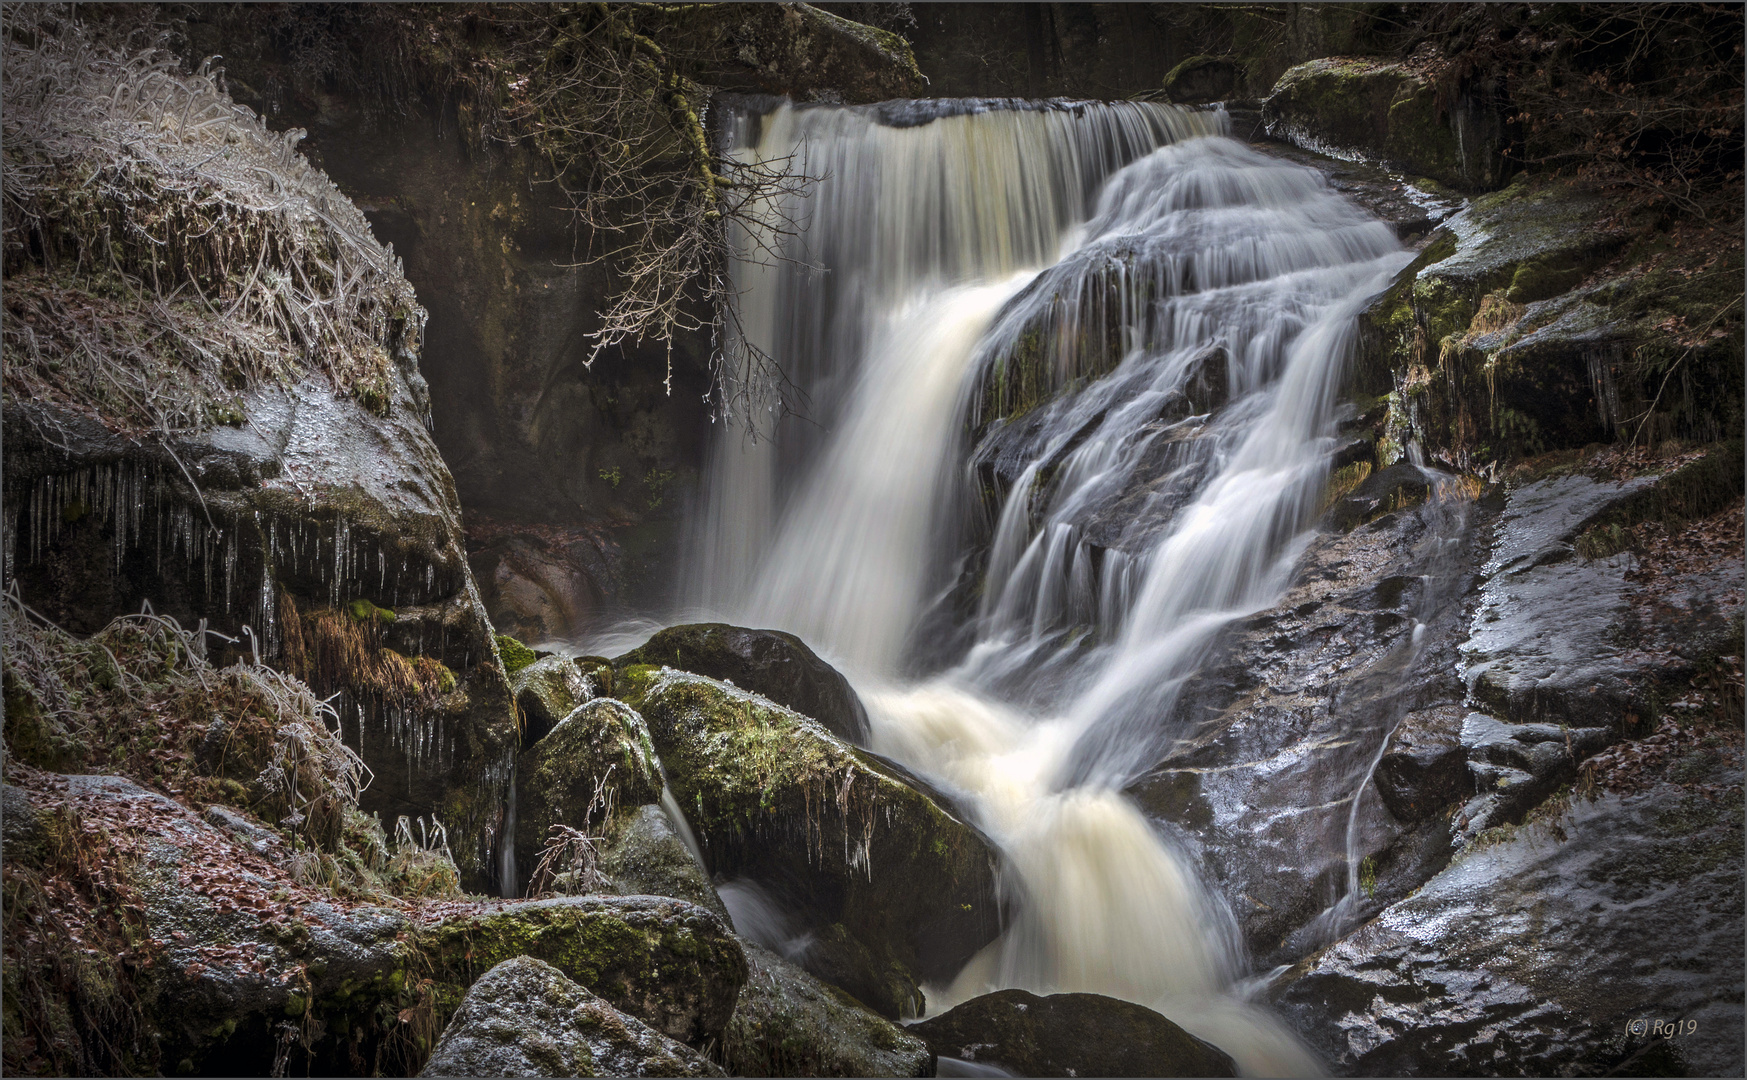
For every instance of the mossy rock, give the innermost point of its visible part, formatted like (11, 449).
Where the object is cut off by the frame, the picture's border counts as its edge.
(1201, 79)
(546, 691)
(1070, 1035)
(771, 663)
(673, 965)
(774, 797)
(601, 743)
(525, 1018)
(1386, 112)
(1540, 320)
(788, 1023)
(516, 656)
(648, 858)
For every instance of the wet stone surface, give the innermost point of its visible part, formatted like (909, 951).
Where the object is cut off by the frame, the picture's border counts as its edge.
(1280, 729)
(1532, 955)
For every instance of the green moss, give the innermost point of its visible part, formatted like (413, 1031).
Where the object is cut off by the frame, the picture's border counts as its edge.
(1543, 277)
(363, 610)
(632, 683)
(516, 656)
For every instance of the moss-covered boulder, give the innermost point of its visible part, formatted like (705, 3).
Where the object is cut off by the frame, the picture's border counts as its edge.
(189, 943)
(601, 747)
(1201, 79)
(772, 663)
(673, 965)
(524, 1018)
(790, 1024)
(546, 691)
(648, 858)
(776, 798)
(1548, 316)
(1069, 1035)
(1388, 112)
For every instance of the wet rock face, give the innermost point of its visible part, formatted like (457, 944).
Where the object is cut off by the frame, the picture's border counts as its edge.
(1282, 724)
(603, 744)
(1424, 768)
(1412, 207)
(1523, 326)
(648, 858)
(1069, 1035)
(776, 798)
(673, 965)
(1546, 644)
(1532, 956)
(790, 1024)
(1386, 112)
(524, 1018)
(770, 663)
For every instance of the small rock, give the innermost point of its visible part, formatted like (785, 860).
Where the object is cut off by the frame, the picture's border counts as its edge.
(1069, 1035)
(524, 1018)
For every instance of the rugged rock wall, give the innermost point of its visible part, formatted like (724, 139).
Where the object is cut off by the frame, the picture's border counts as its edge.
(222, 417)
(575, 469)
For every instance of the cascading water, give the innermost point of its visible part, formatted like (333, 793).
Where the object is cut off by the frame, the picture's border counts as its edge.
(1181, 307)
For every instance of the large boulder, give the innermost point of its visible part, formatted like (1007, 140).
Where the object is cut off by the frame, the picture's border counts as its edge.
(1201, 79)
(1069, 1035)
(771, 663)
(649, 858)
(1387, 112)
(218, 943)
(673, 965)
(601, 745)
(840, 832)
(524, 1018)
(790, 1024)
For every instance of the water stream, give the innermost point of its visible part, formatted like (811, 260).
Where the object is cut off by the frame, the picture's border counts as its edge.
(1191, 303)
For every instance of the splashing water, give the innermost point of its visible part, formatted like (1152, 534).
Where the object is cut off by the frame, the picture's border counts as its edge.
(1139, 259)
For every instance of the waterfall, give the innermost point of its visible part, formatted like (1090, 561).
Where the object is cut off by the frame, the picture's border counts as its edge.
(1145, 324)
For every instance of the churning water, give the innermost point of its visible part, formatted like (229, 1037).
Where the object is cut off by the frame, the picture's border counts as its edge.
(1184, 307)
